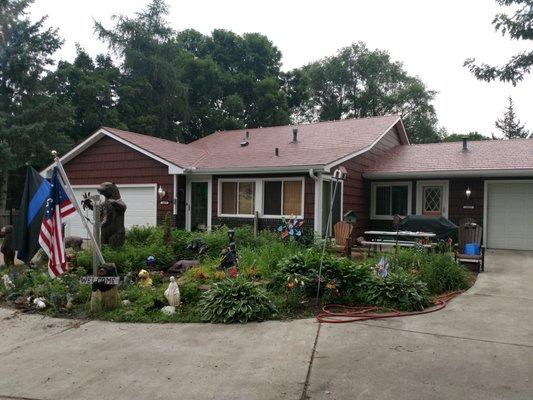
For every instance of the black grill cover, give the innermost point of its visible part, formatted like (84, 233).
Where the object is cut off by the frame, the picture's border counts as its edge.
(442, 227)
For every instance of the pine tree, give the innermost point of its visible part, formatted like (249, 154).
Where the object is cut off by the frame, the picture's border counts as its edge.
(510, 125)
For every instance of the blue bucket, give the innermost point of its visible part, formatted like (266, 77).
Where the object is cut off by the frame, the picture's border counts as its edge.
(472, 249)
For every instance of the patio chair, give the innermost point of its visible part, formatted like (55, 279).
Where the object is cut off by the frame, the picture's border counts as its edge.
(343, 237)
(470, 233)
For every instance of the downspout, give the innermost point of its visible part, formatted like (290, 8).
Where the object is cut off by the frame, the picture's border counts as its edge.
(317, 203)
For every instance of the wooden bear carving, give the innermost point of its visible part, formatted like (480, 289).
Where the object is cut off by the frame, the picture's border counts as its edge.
(104, 296)
(113, 231)
(7, 248)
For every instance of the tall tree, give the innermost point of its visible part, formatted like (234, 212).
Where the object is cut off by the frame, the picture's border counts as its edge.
(456, 137)
(517, 25)
(31, 120)
(358, 82)
(90, 88)
(186, 85)
(509, 125)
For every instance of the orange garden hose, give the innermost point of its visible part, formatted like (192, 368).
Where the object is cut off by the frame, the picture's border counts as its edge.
(340, 314)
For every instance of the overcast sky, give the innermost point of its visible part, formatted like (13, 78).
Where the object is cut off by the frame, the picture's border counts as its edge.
(432, 38)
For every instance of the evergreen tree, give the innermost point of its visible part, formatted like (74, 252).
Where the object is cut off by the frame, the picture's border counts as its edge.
(32, 122)
(509, 125)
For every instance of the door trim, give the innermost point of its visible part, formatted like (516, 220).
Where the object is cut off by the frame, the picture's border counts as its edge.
(445, 199)
(209, 181)
(486, 200)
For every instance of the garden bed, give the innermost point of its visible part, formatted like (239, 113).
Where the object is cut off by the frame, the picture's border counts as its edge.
(277, 279)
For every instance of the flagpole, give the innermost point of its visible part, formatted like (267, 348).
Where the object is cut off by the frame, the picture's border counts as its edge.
(70, 194)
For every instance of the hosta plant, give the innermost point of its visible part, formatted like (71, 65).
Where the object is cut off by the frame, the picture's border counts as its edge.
(235, 300)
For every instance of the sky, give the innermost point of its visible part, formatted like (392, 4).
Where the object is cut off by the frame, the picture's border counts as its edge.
(431, 38)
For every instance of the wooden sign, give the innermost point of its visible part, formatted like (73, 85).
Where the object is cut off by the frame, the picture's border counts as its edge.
(108, 280)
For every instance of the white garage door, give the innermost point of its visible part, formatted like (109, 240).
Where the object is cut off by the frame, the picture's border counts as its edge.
(140, 200)
(510, 215)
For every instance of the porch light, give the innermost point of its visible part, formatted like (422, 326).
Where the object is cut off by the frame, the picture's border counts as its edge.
(161, 192)
(468, 193)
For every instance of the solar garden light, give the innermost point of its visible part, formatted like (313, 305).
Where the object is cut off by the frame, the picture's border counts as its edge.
(339, 175)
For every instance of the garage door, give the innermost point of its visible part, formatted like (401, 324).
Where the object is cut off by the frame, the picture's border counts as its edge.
(510, 215)
(140, 200)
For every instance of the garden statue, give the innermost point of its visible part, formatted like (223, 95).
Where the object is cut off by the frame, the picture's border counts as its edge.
(7, 249)
(73, 242)
(127, 280)
(145, 281)
(39, 303)
(8, 284)
(113, 209)
(150, 262)
(181, 266)
(197, 246)
(70, 299)
(229, 254)
(172, 293)
(104, 296)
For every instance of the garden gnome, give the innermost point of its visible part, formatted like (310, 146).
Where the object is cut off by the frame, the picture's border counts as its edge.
(173, 293)
(8, 284)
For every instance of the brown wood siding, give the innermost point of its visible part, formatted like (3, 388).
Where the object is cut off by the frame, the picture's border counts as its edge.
(356, 195)
(112, 161)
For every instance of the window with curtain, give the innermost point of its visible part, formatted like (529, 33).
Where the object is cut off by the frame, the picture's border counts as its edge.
(237, 198)
(282, 198)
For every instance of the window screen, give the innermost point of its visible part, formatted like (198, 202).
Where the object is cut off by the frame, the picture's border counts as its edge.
(272, 198)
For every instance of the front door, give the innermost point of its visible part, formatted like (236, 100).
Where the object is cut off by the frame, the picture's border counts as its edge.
(433, 198)
(199, 206)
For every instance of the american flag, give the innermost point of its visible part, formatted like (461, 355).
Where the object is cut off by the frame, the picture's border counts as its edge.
(58, 208)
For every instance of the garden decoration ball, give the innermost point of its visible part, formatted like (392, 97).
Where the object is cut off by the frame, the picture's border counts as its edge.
(113, 210)
(104, 296)
(145, 281)
(150, 261)
(8, 284)
(172, 293)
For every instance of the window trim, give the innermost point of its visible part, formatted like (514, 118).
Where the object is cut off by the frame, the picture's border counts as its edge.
(288, 179)
(259, 200)
(219, 197)
(375, 185)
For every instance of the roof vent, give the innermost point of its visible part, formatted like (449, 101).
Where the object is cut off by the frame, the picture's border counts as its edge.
(247, 135)
(276, 152)
(244, 143)
(295, 135)
(465, 144)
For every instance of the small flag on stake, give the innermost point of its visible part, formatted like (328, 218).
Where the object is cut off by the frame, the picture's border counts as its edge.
(58, 208)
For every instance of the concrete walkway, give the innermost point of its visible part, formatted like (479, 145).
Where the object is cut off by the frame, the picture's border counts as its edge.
(479, 347)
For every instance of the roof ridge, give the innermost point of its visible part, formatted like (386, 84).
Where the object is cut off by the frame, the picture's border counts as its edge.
(489, 140)
(304, 124)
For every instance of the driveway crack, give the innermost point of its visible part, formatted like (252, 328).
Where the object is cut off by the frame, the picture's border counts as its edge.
(304, 395)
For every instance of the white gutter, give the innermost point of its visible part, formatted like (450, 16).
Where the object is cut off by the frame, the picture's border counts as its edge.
(474, 173)
(254, 170)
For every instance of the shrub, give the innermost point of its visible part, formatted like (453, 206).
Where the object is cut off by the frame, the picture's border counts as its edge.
(399, 291)
(442, 274)
(340, 276)
(235, 300)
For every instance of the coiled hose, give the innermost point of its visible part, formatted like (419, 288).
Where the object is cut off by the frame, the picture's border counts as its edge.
(341, 314)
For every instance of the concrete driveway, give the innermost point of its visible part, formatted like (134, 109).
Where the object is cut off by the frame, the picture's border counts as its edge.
(479, 347)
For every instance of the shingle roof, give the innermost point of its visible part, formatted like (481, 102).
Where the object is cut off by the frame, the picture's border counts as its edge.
(176, 153)
(485, 155)
(319, 143)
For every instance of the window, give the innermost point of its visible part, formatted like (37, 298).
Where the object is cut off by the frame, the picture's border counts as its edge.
(282, 198)
(237, 198)
(389, 199)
